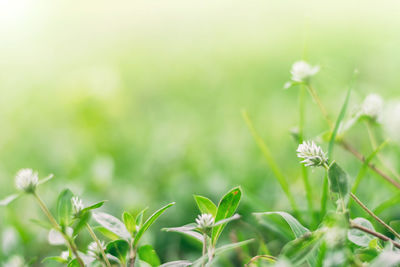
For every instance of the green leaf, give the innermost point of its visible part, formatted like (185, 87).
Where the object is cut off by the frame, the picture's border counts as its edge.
(149, 255)
(64, 207)
(94, 206)
(118, 248)
(112, 224)
(73, 263)
(139, 218)
(81, 223)
(106, 233)
(338, 181)
(56, 259)
(129, 222)
(226, 208)
(149, 222)
(359, 237)
(205, 205)
(46, 179)
(299, 250)
(7, 200)
(297, 228)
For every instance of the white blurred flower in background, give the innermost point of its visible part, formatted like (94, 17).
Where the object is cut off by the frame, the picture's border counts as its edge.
(372, 106)
(26, 180)
(301, 71)
(103, 170)
(15, 261)
(10, 240)
(391, 120)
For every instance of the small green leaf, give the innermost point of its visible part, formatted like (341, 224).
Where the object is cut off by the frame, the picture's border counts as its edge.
(94, 206)
(46, 179)
(299, 250)
(56, 259)
(338, 181)
(106, 233)
(64, 207)
(206, 205)
(226, 208)
(139, 218)
(149, 255)
(129, 222)
(297, 228)
(118, 248)
(73, 263)
(359, 237)
(149, 222)
(111, 223)
(81, 223)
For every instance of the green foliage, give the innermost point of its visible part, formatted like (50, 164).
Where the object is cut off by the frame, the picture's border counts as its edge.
(149, 255)
(64, 207)
(206, 205)
(118, 248)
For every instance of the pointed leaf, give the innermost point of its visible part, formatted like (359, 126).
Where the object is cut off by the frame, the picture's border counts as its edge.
(139, 218)
(106, 233)
(149, 222)
(46, 179)
(82, 221)
(112, 224)
(94, 206)
(206, 205)
(226, 209)
(297, 228)
(338, 181)
(129, 222)
(64, 207)
(186, 230)
(149, 255)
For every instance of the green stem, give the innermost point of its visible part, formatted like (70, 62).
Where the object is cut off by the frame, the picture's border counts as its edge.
(376, 234)
(204, 249)
(271, 162)
(57, 227)
(316, 98)
(94, 237)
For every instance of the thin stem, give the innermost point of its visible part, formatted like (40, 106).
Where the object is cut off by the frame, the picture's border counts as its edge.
(132, 256)
(94, 237)
(376, 234)
(359, 156)
(316, 98)
(57, 227)
(267, 257)
(204, 248)
(362, 205)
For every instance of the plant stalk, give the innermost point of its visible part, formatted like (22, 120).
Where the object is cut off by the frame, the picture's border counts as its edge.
(376, 234)
(94, 237)
(374, 216)
(57, 227)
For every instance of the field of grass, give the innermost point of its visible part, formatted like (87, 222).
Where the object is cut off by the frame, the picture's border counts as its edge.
(140, 104)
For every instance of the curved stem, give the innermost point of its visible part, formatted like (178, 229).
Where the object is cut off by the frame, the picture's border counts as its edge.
(374, 216)
(94, 237)
(57, 227)
(267, 257)
(376, 234)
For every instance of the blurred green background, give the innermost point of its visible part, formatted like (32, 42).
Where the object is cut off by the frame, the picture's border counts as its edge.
(138, 103)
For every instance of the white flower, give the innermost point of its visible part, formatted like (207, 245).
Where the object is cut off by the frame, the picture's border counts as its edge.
(205, 221)
(311, 154)
(26, 180)
(372, 106)
(301, 71)
(94, 250)
(15, 261)
(77, 204)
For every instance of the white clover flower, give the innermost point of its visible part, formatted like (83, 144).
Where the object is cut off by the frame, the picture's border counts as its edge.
(301, 71)
(311, 154)
(77, 204)
(26, 180)
(94, 250)
(205, 221)
(372, 106)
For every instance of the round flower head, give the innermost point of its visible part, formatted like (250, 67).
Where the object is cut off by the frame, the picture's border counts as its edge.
(26, 180)
(372, 106)
(301, 71)
(77, 204)
(205, 221)
(311, 154)
(94, 250)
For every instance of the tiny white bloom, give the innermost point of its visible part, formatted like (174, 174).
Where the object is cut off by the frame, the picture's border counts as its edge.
(301, 71)
(26, 180)
(94, 250)
(65, 255)
(372, 106)
(77, 204)
(311, 154)
(205, 221)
